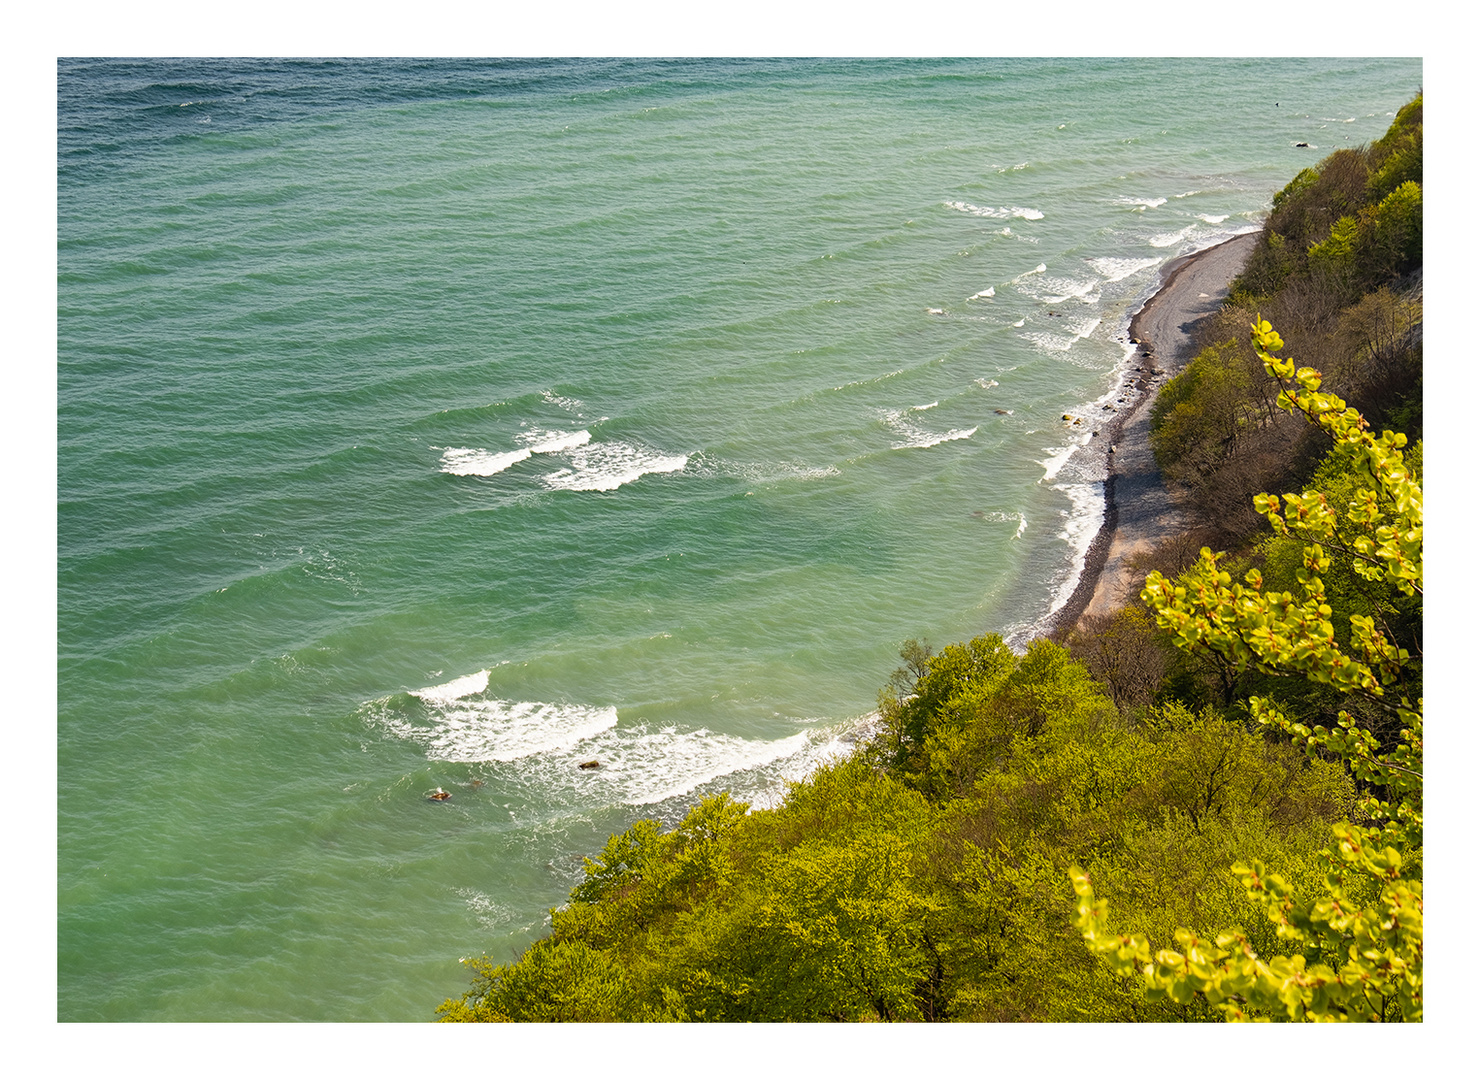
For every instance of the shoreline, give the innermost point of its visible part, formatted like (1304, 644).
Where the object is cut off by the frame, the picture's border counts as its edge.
(1139, 510)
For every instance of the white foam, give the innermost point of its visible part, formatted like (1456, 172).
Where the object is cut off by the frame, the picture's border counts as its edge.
(607, 466)
(488, 729)
(1114, 269)
(986, 294)
(1004, 517)
(1039, 269)
(570, 405)
(1082, 328)
(1169, 239)
(463, 461)
(1020, 323)
(771, 474)
(554, 442)
(468, 461)
(950, 436)
(1048, 342)
(1058, 290)
(643, 764)
(922, 408)
(1024, 212)
(1081, 524)
(758, 472)
(934, 311)
(491, 915)
(674, 763)
(870, 382)
(1058, 456)
(913, 437)
(466, 686)
(987, 384)
(824, 747)
(1144, 204)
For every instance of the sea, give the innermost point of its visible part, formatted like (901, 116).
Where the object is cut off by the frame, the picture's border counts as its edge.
(440, 426)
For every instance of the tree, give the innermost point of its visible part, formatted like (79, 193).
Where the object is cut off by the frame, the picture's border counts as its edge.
(1200, 415)
(1358, 946)
(1122, 651)
(934, 689)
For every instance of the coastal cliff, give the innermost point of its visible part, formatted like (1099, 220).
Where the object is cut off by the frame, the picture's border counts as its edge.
(925, 877)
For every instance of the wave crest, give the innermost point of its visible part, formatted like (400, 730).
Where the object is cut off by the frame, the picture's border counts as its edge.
(607, 466)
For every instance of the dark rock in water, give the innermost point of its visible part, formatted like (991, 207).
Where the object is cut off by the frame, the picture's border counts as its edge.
(439, 795)
(1002, 412)
(590, 765)
(1305, 144)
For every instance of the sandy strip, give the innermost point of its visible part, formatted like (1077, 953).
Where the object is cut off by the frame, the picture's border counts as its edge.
(1139, 511)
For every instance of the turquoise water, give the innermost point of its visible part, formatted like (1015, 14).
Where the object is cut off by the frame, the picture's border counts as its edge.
(446, 425)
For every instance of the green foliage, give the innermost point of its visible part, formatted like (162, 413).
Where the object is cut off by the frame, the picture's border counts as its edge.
(1329, 237)
(1360, 942)
(931, 892)
(1198, 417)
(1335, 257)
(1398, 155)
(971, 702)
(930, 690)
(1381, 242)
(625, 858)
(1158, 807)
(1348, 592)
(1304, 180)
(1395, 236)
(555, 981)
(832, 933)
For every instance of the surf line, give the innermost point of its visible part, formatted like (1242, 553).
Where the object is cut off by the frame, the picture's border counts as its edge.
(1187, 307)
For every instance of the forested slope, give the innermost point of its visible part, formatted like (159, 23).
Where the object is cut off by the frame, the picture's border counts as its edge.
(928, 877)
(1338, 268)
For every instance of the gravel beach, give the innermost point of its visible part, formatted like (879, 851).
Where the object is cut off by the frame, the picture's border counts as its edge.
(1139, 510)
